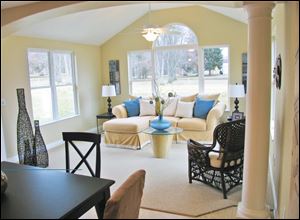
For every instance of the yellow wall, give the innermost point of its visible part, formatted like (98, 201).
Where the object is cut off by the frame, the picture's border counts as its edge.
(211, 29)
(14, 74)
(286, 35)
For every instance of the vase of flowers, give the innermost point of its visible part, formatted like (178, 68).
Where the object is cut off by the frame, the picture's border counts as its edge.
(160, 105)
(160, 123)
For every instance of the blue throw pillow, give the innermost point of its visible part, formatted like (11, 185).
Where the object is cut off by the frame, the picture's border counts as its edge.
(133, 107)
(202, 107)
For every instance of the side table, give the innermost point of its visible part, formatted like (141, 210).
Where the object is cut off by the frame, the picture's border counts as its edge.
(162, 140)
(106, 115)
(229, 118)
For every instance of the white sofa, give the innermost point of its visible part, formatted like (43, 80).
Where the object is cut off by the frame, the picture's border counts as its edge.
(126, 132)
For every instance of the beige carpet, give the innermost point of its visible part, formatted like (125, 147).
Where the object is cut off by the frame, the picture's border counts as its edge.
(166, 187)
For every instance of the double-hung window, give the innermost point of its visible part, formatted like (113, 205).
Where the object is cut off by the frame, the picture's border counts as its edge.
(216, 71)
(140, 73)
(53, 84)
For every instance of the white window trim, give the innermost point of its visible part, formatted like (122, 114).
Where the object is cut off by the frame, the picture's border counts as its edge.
(52, 86)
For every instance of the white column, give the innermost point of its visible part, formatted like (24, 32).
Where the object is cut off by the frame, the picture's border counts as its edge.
(255, 174)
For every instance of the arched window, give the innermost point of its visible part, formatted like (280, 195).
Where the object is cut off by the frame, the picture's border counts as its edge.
(176, 35)
(176, 60)
(173, 63)
(178, 64)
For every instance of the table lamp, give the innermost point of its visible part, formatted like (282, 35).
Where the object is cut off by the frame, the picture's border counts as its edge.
(236, 91)
(108, 91)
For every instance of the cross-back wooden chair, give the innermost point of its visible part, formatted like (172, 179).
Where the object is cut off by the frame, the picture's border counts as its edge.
(219, 164)
(95, 139)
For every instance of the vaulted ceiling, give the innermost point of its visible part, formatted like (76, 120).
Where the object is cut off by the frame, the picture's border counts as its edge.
(98, 25)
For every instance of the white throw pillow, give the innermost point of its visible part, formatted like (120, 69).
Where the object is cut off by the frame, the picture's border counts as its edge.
(170, 110)
(185, 109)
(146, 108)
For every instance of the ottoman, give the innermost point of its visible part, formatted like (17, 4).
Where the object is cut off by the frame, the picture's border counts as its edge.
(127, 132)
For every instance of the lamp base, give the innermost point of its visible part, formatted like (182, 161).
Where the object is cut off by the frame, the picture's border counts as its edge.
(109, 109)
(236, 102)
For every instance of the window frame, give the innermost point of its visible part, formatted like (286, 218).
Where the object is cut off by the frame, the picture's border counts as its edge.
(53, 87)
(178, 47)
(201, 68)
(194, 46)
(228, 108)
(130, 80)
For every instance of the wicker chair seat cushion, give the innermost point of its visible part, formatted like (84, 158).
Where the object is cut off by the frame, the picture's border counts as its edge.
(127, 125)
(216, 158)
(216, 162)
(192, 124)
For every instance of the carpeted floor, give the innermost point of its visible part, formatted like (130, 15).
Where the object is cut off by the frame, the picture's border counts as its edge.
(166, 187)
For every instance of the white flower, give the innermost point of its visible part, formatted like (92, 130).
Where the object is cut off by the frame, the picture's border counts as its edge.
(160, 102)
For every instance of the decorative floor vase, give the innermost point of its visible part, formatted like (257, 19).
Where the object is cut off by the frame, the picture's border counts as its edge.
(24, 130)
(40, 152)
(4, 182)
(160, 123)
(28, 154)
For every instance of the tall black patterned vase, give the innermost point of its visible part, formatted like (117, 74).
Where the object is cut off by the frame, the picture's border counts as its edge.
(39, 148)
(24, 131)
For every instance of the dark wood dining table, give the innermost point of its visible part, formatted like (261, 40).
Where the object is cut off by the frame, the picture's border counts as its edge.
(38, 193)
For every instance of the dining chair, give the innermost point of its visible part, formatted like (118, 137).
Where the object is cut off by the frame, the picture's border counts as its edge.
(126, 200)
(95, 139)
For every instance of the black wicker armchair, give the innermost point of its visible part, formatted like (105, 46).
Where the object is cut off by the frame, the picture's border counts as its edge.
(220, 168)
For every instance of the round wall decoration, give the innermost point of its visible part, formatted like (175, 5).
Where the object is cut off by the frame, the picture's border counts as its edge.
(277, 72)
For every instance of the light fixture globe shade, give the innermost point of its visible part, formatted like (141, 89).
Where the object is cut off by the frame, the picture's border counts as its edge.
(236, 91)
(108, 91)
(151, 34)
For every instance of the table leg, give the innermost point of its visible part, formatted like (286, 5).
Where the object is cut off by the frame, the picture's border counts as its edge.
(101, 205)
(161, 145)
(97, 126)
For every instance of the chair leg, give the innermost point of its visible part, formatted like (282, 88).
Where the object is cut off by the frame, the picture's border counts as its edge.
(223, 186)
(100, 207)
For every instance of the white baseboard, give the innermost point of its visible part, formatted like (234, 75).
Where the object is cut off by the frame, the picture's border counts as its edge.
(275, 204)
(15, 159)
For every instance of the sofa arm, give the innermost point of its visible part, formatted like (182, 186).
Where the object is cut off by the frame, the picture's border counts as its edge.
(119, 111)
(214, 115)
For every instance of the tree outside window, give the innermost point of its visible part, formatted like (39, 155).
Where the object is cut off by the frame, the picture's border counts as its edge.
(213, 59)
